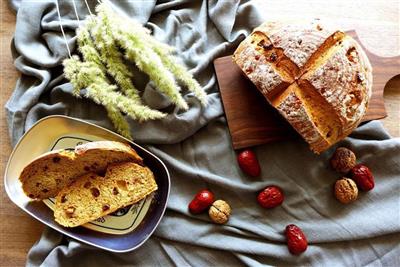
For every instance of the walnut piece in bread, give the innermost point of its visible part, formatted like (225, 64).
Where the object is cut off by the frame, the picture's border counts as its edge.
(319, 79)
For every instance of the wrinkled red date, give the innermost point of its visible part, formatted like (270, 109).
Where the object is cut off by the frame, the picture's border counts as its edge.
(270, 197)
(363, 177)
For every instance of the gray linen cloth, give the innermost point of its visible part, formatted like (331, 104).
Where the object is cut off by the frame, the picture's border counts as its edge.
(196, 147)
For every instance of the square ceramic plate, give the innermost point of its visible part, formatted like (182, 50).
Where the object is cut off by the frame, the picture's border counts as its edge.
(121, 231)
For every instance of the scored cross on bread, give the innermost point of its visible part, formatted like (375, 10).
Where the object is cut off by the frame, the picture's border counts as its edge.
(319, 79)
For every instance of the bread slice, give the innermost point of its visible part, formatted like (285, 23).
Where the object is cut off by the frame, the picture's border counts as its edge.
(45, 176)
(93, 196)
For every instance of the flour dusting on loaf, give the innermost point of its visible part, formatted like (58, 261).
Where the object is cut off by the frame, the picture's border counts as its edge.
(318, 78)
(299, 41)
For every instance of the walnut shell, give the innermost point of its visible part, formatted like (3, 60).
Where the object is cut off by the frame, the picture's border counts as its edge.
(219, 212)
(343, 160)
(346, 190)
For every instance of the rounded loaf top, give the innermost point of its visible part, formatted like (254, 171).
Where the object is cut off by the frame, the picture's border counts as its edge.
(318, 78)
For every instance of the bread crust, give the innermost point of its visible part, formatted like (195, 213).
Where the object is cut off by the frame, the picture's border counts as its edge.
(81, 150)
(329, 62)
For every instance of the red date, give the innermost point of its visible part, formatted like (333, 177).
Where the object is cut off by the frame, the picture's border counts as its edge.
(202, 201)
(248, 162)
(296, 240)
(363, 177)
(271, 197)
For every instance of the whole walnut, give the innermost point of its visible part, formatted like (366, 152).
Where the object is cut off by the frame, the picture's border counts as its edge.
(343, 160)
(346, 190)
(219, 212)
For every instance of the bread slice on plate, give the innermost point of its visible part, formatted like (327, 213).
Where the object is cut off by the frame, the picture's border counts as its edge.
(45, 176)
(93, 196)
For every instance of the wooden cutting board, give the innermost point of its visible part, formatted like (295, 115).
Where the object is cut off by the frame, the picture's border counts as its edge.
(252, 121)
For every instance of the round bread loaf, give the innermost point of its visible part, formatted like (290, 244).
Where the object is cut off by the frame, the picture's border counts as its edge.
(319, 79)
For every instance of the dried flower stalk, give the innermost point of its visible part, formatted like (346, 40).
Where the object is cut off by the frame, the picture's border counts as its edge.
(99, 42)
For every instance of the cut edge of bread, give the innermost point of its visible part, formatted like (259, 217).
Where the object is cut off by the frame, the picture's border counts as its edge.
(92, 196)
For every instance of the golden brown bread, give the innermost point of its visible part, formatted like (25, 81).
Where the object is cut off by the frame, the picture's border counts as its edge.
(45, 176)
(319, 79)
(92, 196)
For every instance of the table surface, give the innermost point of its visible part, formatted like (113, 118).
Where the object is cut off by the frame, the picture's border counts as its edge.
(376, 22)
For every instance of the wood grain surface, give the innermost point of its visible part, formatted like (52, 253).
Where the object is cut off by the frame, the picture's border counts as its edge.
(370, 18)
(252, 121)
(18, 230)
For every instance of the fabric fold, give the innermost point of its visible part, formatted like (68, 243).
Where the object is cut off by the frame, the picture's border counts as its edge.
(196, 147)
